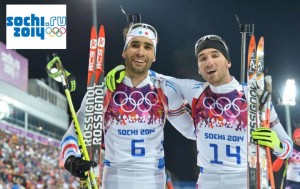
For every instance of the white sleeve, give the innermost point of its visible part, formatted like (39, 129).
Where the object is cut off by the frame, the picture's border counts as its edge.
(69, 141)
(187, 87)
(287, 144)
(177, 115)
(273, 114)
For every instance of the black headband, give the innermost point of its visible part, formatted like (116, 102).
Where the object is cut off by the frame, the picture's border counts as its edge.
(215, 44)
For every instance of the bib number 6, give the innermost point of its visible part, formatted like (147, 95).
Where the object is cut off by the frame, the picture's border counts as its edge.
(136, 149)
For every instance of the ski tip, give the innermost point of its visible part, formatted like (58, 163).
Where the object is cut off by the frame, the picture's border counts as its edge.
(252, 41)
(252, 48)
(93, 32)
(260, 46)
(101, 31)
(261, 41)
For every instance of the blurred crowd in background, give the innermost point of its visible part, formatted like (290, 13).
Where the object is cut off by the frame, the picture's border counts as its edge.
(27, 164)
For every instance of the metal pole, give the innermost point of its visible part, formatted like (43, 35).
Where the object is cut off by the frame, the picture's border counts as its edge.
(26, 121)
(244, 29)
(243, 57)
(288, 120)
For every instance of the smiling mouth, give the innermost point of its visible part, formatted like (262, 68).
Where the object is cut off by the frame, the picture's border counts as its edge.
(139, 61)
(211, 72)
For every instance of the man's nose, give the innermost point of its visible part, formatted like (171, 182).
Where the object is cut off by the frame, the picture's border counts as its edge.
(141, 50)
(209, 61)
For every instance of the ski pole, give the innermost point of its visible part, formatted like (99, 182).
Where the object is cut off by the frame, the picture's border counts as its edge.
(267, 109)
(284, 173)
(56, 71)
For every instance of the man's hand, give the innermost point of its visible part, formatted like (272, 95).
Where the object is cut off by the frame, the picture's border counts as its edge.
(267, 137)
(77, 166)
(115, 76)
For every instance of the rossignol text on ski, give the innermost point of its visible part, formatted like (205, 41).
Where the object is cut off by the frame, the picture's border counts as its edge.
(259, 158)
(92, 133)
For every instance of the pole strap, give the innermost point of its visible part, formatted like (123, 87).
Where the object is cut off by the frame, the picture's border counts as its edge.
(56, 71)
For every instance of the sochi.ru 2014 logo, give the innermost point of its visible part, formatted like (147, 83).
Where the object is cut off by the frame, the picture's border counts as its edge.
(36, 26)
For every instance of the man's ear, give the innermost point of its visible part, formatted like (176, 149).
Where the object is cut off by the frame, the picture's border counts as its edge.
(123, 54)
(228, 64)
(154, 59)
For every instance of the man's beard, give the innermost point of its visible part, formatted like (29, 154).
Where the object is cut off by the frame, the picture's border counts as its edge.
(137, 70)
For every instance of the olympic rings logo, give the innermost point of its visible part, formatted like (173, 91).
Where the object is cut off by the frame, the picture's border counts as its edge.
(296, 156)
(55, 31)
(135, 100)
(216, 105)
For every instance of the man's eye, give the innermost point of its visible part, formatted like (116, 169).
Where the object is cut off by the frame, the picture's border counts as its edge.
(215, 55)
(134, 45)
(148, 47)
(202, 59)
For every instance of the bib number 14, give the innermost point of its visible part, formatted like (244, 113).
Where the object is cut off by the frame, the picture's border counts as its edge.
(229, 153)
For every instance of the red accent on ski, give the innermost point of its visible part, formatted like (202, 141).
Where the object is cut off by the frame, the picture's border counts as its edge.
(92, 56)
(260, 61)
(100, 53)
(252, 58)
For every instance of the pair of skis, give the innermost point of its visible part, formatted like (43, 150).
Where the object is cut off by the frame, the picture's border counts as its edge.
(260, 170)
(90, 140)
(92, 132)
